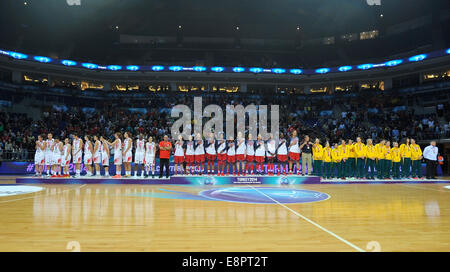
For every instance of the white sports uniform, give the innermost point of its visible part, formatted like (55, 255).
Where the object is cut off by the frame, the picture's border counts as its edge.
(97, 154)
(140, 152)
(75, 147)
(118, 152)
(211, 147)
(199, 149)
(87, 154)
(240, 149)
(295, 148)
(179, 152)
(49, 152)
(282, 148)
(260, 150)
(250, 148)
(39, 157)
(231, 149)
(56, 157)
(66, 153)
(271, 148)
(105, 157)
(190, 148)
(149, 153)
(129, 155)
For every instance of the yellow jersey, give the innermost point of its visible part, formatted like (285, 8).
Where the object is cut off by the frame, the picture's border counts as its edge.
(335, 155)
(405, 150)
(371, 152)
(351, 151)
(317, 151)
(387, 153)
(416, 152)
(360, 150)
(396, 154)
(326, 157)
(343, 151)
(380, 151)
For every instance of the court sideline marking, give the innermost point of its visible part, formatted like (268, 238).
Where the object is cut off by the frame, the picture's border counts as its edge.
(40, 194)
(310, 221)
(421, 188)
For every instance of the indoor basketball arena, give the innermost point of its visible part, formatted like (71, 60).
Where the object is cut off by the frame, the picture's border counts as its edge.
(231, 126)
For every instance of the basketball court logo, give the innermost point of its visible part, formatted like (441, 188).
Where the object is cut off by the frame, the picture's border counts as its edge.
(11, 190)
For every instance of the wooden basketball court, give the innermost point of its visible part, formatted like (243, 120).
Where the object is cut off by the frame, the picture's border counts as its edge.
(359, 217)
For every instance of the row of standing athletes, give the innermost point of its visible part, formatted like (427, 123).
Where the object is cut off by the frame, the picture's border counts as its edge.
(234, 157)
(93, 152)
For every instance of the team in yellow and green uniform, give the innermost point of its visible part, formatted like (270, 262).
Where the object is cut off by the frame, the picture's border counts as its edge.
(336, 170)
(371, 156)
(365, 161)
(317, 151)
(396, 156)
(416, 158)
(327, 163)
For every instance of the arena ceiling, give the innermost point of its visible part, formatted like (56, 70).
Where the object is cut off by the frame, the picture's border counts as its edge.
(53, 26)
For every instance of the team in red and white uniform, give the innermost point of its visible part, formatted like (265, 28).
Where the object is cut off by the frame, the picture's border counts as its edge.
(234, 156)
(139, 155)
(97, 155)
(179, 155)
(240, 154)
(250, 154)
(210, 153)
(149, 158)
(199, 154)
(260, 153)
(66, 158)
(48, 153)
(189, 155)
(56, 158)
(39, 156)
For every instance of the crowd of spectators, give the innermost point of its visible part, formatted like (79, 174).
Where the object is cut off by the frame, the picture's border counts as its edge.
(372, 115)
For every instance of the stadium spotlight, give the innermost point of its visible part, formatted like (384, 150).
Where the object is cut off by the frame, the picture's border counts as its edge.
(17, 55)
(89, 65)
(322, 70)
(157, 68)
(256, 70)
(296, 71)
(217, 69)
(393, 62)
(238, 69)
(176, 68)
(345, 68)
(114, 67)
(365, 66)
(42, 59)
(199, 68)
(418, 57)
(132, 68)
(278, 71)
(448, 51)
(68, 62)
